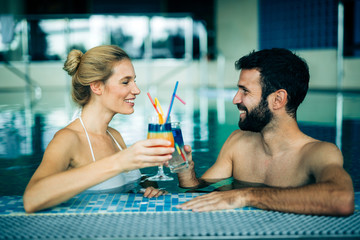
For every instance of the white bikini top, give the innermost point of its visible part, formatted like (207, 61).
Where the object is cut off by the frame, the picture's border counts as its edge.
(122, 182)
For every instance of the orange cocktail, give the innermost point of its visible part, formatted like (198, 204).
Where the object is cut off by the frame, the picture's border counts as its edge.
(162, 131)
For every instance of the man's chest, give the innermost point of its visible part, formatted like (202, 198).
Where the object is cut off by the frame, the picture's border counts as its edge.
(285, 172)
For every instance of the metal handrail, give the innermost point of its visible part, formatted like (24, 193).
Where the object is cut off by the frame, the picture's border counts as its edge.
(340, 75)
(29, 81)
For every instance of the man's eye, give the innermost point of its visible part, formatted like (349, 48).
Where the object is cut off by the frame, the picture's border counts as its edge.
(125, 82)
(244, 91)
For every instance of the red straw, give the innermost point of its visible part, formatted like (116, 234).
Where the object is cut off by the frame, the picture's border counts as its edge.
(182, 155)
(179, 150)
(182, 101)
(153, 103)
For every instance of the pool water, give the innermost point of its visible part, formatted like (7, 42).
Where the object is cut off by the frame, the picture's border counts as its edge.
(205, 138)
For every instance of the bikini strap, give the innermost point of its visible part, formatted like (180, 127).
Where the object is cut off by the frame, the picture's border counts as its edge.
(114, 140)
(88, 138)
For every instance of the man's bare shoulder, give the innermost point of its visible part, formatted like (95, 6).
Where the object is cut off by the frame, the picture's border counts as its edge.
(319, 153)
(242, 136)
(317, 147)
(237, 140)
(231, 152)
(241, 140)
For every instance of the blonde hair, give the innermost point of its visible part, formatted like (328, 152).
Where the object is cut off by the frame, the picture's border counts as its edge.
(95, 65)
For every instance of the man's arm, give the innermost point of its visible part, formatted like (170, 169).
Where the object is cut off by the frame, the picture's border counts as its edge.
(221, 169)
(332, 194)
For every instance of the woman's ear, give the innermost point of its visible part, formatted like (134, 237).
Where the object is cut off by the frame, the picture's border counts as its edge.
(96, 87)
(279, 99)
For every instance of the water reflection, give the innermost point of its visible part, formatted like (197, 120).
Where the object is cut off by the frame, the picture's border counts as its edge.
(12, 134)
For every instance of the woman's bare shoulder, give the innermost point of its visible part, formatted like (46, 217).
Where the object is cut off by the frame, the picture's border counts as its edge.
(117, 135)
(66, 136)
(114, 131)
(61, 150)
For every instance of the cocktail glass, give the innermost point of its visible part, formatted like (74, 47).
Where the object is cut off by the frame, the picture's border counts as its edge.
(179, 161)
(163, 131)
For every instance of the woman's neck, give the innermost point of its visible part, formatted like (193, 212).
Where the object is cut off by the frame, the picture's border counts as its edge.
(95, 119)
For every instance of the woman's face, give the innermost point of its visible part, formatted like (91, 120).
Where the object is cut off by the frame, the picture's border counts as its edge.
(120, 89)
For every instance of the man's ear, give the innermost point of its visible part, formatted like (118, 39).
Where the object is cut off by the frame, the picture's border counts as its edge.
(96, 87)
(279, 99)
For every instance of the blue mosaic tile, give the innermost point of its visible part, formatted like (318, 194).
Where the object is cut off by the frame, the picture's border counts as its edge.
(92, 203)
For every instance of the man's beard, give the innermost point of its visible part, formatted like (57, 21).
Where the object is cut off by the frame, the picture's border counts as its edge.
(256, 119)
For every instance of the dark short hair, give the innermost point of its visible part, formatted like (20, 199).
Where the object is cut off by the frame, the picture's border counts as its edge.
(279, 69)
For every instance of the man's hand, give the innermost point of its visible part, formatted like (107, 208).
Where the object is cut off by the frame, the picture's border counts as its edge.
(187, 178)
(214, 201)
(188, 152)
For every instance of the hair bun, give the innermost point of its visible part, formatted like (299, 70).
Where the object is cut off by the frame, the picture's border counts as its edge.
(73, 61)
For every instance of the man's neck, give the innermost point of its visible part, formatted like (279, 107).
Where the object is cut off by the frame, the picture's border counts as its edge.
(280, 135)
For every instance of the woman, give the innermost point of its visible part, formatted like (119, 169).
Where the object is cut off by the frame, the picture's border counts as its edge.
(88, 154)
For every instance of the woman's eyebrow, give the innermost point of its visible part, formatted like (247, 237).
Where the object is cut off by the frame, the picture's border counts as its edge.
(127, 78)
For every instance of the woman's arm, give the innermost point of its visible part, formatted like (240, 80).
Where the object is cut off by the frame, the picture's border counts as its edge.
(53, 182)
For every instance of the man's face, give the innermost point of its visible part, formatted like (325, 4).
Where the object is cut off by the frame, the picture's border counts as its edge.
(254, 111)
(257, 118)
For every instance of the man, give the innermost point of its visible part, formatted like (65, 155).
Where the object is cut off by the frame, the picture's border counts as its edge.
(291, 171)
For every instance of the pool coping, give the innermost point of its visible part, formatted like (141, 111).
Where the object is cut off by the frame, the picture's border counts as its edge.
(166, 223)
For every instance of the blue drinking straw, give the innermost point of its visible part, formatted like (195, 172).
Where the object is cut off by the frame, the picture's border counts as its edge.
(172, 101)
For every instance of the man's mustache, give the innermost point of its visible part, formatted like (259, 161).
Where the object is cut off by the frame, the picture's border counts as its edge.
(241, 107)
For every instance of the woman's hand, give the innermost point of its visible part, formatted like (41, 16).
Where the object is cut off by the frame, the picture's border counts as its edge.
(145, 153)
(151, 192)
